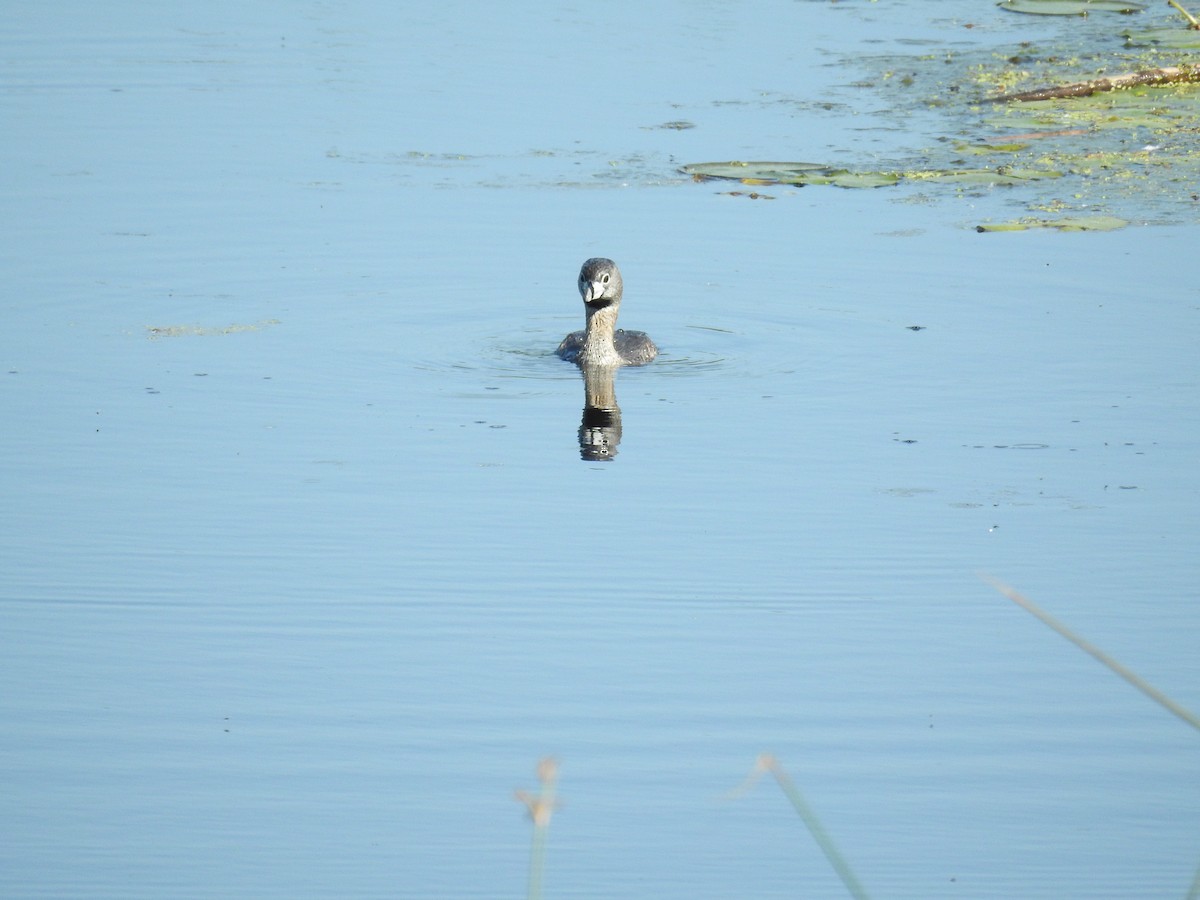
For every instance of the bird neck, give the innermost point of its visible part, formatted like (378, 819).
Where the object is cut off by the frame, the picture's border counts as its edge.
(599, 348)
(601, 323)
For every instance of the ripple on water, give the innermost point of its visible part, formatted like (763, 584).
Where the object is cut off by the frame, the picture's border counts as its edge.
(531, 355)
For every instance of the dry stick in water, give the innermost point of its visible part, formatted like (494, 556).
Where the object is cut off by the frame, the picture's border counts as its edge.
(1095, 652)
(541, 807)
(1165, 75)
(768, 763)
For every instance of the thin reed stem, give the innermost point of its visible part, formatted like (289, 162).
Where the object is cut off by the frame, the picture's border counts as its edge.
(1187, 15)
(820, 835)
(1095, 652)
(541, 806)
(537, 862)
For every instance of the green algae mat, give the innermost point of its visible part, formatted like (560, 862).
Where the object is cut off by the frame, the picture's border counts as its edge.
(1121, 144)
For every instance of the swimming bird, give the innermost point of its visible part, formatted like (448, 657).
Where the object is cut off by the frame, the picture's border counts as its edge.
(601, 343)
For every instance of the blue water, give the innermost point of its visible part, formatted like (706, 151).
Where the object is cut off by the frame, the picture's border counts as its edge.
(302, 569)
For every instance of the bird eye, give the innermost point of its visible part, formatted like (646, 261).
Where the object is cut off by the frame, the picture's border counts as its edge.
(604, 279)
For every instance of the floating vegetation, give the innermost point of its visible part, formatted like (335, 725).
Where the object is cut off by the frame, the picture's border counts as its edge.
(1069, 7)
(155, 332)
(801, 174)
(796, 173)
(1085, 128)
(1068, 223)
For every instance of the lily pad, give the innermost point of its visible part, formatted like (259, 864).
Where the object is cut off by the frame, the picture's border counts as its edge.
(768, 172)
(1069, 7)
(1070, 223)
(761, 173)
(846, 179)
(1167, 38)
(797, 173)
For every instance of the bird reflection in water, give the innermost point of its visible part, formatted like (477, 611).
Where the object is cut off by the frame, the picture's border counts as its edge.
(599, 350)
(600, 426)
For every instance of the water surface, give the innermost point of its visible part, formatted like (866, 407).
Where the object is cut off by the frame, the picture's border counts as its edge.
(303, 570)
